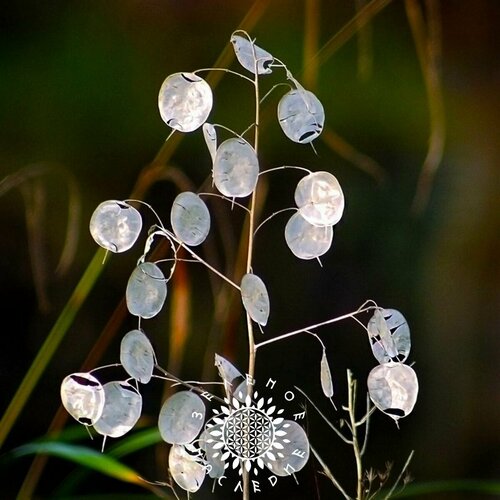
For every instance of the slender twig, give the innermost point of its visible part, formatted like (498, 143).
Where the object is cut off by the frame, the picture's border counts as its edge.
(328, 473)
(405, 466)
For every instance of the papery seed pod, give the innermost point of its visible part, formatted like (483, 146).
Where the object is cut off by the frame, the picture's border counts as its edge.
(181, 417)
(115, 225)
(326, 376)
(83, 397)
(255, 298)
(210, 135)
(305, 240)
(320, 199)
(389, 336)
(301, 115)
(122, 409)
(236, 168)
(190, 218)
(185, 101)
(295, 453)
(393, 388)
(251, 56)
(137, 356)
(186, 471)
(146, 290)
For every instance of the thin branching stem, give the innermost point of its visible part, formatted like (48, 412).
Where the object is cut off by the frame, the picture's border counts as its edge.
(351, 386)
(328, 473)
(312, 327)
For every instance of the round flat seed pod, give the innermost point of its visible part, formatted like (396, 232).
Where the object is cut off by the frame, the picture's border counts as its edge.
(389, 336)
(320, 199)
(248, 53)
(186, 471)
(122, 409)
(83, 397)
(190, 218)
(236, 168)
(115, 225)
(255, 298)
(393, 388)
(146, 290)
(215, 464)
(295, 452)
(185, 101)
(181, 418)
(301, 115)
(305, 240)
(137, 356)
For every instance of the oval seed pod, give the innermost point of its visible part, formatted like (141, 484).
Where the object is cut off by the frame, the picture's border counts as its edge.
(244, 50)
(115, 225)
(389, 336)
(326, 376)
(83, 397)
(236, 168)
(215, 464)
(301, 115)
(181, 417)
(295, 452)
(122, 409)
(229, 374)
(146, 290)
(185, 101)
(137, 356)
(305, 240)
(190, 218)
(255, 298)
(320, 199)
(210, 135)
(393, 388)
(186, 471)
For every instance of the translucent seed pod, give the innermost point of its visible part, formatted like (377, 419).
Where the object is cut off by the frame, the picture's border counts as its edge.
(393, 388)
(301, 115)
(185, 101)
(305, 240)
(255, 298)
(186, 471)
(115, 225)
(326, 376)
(137, 356)
(248, 54)
(122, 409)
(210, 135)
(83, 397)
(215, 465)
(190, 218)
(320, 199)
(236, 168)
(146, 290)
(229, 374)
(295, 453)
(389, 336)
(181, 418)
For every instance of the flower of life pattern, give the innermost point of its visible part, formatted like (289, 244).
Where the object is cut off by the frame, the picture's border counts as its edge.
(248, 433)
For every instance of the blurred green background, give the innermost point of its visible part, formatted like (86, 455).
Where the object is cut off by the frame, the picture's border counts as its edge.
(78, 95)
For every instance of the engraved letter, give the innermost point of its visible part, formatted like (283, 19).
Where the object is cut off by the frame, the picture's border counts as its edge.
(238, 487)
(300, 415)
(197, 415)
(289, 396)
(299, 453)
(289, 469)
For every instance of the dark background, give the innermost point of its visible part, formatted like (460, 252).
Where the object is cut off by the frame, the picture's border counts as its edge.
(78, 89)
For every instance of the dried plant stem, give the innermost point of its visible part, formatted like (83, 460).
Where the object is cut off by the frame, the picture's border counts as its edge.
(351, 408)
(328, 473)
(362, 309)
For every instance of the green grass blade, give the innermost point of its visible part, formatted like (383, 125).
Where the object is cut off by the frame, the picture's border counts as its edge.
(51, 344)
(81, 455)
(477, 486)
